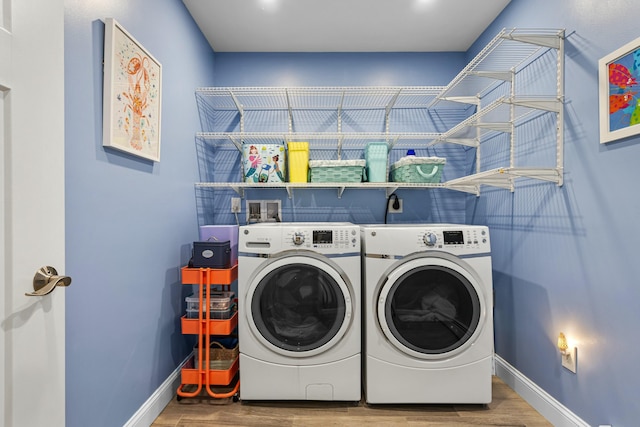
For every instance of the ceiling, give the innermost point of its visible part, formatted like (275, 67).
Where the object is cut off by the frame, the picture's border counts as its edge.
(343, 25)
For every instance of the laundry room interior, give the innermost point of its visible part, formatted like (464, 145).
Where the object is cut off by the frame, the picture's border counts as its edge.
(559, 207)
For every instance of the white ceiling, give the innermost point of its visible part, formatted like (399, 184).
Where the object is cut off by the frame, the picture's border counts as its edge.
(343, 25)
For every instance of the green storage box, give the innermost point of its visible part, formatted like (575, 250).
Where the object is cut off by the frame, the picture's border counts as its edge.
(418, 169)
(336, 170)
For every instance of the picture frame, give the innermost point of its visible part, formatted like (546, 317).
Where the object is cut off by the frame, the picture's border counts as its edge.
(132, 95)
(619, 92)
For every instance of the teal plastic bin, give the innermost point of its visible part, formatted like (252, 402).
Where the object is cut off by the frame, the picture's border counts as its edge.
(375, 156)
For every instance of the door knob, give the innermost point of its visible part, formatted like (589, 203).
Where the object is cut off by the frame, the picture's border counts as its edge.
(45, 280)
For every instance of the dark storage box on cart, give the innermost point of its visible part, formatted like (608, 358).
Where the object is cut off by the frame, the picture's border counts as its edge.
(220, 233)
(211, 254)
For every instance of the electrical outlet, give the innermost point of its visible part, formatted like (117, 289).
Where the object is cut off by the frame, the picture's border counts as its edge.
(569, 359)
(392, 209)
(235, 204)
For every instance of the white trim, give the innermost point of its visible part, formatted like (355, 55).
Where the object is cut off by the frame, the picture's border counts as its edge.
(160, 398)
(556, 413)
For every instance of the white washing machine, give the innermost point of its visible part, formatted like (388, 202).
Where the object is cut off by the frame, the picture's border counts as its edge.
(299, 322)
(428, 310)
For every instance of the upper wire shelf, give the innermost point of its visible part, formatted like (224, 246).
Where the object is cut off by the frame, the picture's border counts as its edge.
(509, 51)
(317, 98)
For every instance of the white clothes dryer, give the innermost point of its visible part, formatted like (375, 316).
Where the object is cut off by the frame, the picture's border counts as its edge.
(299, 323)
(428, 310)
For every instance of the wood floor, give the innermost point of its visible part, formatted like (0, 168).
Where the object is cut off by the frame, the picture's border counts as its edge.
(506, 409)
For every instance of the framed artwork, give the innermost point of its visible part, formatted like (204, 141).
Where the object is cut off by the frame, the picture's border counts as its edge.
(132, 95)
(618, 77)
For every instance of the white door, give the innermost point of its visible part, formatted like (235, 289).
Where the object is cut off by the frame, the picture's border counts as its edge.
(32, 339)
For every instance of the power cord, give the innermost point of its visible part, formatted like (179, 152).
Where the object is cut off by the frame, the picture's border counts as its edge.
(396, 205)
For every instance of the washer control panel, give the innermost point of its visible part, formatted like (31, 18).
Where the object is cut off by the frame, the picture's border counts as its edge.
(324, 238)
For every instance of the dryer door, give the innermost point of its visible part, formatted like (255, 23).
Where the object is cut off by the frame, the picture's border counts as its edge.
(300, 305)
(431, 307)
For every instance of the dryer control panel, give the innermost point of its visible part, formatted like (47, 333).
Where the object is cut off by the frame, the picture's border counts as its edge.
(400, 240)
(467, 238)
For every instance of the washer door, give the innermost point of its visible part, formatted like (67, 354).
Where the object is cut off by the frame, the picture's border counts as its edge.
(299, 305)
(431, 307)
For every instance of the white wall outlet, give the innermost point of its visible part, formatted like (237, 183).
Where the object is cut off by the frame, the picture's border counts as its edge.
(569, 359)
(235, 204)
(394, 210)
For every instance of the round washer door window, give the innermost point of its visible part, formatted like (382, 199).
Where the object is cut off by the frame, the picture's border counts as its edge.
(300, 306)
(430, 307)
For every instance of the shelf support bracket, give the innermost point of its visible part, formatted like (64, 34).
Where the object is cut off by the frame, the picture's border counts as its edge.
(340, 191)
(238, 189)
(496, 75)
(238, 144)
(467, 188)
(390, 190)
(551, 105)
(286, 92)
(499, 127)
(551, 41)
(392, 143)
(240, 110)
(472, 100)
(387, 110)
(469, 142)
(340, 112)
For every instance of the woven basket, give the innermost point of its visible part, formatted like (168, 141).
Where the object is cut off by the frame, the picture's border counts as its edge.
(220, 357)
(418, 169)
(336, 170)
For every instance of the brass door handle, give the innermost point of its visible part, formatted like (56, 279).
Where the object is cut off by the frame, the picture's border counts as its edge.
(45, 280)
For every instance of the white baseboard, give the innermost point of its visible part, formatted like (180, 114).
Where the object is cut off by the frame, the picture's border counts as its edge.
(154, 405)
(556, 413)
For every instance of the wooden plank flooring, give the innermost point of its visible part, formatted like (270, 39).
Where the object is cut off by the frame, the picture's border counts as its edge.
(506, 409)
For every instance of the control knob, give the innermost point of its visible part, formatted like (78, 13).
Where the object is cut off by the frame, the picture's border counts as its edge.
(430, 238)
(298, 238)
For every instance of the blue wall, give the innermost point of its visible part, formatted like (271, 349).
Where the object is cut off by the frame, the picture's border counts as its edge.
(563, 257)
(128, 221)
